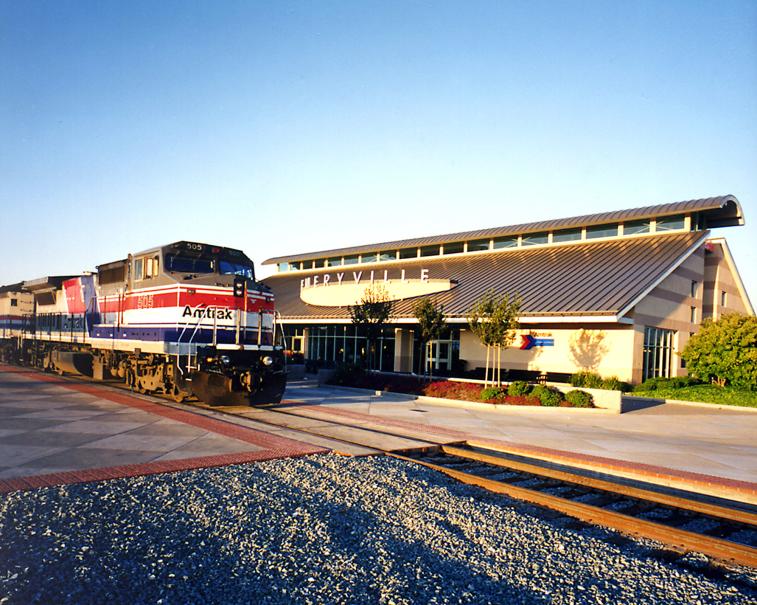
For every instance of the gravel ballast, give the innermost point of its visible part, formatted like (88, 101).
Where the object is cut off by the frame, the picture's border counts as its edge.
(325, 529)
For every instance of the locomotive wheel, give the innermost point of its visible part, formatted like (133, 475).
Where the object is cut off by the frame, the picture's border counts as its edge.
(178, 395)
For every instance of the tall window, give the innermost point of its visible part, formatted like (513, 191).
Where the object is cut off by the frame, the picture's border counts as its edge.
(694, 289)
(658, 348)
(723, 298)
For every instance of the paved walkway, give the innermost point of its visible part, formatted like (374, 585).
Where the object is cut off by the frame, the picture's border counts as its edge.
(721, 443)
(55, 431)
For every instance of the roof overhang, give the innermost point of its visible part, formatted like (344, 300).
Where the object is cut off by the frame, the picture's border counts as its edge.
(714, 212)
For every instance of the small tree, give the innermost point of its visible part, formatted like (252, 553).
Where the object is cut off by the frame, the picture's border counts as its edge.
(494, 319)
(725, 351)
(430, 327)
(370, 316)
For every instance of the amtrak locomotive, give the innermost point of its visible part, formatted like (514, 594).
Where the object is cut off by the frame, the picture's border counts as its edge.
(183, 319)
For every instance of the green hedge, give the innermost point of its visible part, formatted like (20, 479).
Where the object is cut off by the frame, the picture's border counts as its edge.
(580, 399)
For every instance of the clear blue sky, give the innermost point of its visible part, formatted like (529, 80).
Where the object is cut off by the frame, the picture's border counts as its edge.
(284, 127)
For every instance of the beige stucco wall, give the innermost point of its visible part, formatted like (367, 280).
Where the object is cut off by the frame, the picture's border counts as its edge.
(606, 349)
(669, 306)
(719, 278)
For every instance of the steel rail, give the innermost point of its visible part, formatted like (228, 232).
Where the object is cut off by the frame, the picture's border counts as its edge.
(712, 510)
(677, 539)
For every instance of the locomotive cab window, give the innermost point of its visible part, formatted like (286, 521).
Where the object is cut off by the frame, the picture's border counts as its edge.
(185, 264)
(151, 267)
(139, 265)
(226, 267)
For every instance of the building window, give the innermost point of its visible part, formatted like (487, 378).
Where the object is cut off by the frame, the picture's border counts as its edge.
(534, 238)
(368, 258)
(334, 262)
(385, 256)
(505, 242)
(479, 245)
(566, 235)
(693, 315)
(658, 347)
(454, 248)
(601, 231)
(283, 267)
(694, 285)
(14, 302)
(671, 223)
(430, 251)
(350, 260)
(295, 266)
(636, 227)
(409, 253)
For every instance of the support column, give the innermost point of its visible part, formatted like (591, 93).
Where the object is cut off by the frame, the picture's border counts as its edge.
(403, 350)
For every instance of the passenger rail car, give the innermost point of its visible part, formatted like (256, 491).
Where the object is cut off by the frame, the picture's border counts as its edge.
(183, 319)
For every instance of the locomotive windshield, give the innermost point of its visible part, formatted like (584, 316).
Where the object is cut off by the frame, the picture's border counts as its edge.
(201, 259)
(185, 264)
(226, 267)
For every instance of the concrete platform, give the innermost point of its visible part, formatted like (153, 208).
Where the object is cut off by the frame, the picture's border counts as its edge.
(55, 431)
(712, 450)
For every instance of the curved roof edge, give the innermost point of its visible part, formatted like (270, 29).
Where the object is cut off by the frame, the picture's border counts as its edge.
(720, 211)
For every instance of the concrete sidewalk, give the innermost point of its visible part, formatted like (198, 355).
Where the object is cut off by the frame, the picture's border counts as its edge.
(55, 431)
(717, 442)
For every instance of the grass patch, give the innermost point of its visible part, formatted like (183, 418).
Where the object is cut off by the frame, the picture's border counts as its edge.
(705, 393)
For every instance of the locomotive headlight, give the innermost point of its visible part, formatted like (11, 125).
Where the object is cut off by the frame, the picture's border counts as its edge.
(224, 359)
(267, 360)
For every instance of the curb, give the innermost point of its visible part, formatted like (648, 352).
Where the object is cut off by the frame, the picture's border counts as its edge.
(694, 404)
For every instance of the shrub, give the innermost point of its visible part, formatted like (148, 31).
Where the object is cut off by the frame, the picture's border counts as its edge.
(725, 351)
(492, 394)
(677, 382)
(549, 396)
(579, 399)
(613, 383)
(589, 380)
(519, 388)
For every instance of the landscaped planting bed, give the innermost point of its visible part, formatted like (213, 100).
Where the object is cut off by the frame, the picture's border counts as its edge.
(516, 393)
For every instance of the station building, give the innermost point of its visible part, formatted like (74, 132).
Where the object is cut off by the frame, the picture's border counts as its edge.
(618, 293)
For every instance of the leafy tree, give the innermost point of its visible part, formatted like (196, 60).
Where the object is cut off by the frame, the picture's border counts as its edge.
(430, 326)
(370, 316)
(494, 319)
(725, 351)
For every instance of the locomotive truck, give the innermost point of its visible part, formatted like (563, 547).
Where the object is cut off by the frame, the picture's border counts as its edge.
(182, 319)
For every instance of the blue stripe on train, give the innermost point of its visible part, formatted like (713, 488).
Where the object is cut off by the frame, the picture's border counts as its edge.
(202, 336)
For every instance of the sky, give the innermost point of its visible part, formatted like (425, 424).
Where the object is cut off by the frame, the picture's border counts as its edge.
(285, 127)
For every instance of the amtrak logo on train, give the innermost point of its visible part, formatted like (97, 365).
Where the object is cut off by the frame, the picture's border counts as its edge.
(208, 312)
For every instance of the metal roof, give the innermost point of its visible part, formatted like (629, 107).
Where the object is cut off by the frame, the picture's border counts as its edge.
(722, 211)
(582, 279)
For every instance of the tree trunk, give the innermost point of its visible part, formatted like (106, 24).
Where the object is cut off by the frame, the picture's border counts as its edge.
(486, 372)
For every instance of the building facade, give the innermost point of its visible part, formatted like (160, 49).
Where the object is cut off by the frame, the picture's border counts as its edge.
(618, 293)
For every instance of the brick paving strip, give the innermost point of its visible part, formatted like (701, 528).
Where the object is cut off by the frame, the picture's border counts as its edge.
(721, 486)
(273, 446)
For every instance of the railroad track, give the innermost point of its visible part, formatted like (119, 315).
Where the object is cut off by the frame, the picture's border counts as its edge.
(722, 530)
